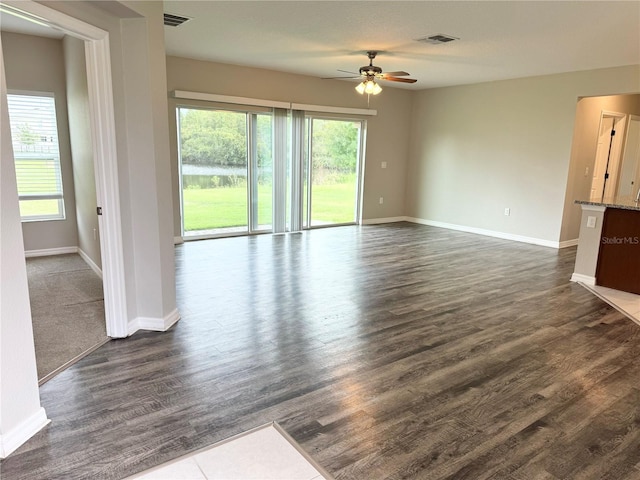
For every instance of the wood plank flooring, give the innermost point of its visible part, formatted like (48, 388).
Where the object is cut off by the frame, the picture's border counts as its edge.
(398, 351)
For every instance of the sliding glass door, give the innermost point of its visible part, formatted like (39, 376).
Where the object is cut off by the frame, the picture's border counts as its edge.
(226, 168)
(332, 171)
(255, 171)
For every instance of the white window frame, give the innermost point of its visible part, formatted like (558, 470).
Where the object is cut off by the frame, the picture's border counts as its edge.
(59, 196)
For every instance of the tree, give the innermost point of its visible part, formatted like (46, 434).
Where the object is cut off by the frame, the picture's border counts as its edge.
(26, 135)
(219, 137)
(213, 137)
(335, 145)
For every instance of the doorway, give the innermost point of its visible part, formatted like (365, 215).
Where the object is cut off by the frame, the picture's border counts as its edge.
(607, 157)
(101, 120)
(100, 117)
(57, 199)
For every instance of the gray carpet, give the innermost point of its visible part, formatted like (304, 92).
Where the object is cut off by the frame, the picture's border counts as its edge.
(67, 307)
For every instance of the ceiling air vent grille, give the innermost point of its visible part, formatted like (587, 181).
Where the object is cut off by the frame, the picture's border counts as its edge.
(172, 20)
(438, 39)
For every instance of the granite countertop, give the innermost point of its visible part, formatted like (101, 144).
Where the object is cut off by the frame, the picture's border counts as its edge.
(626, 203)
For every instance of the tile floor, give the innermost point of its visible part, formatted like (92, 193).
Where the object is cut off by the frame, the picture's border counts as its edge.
(627, 303)
(265, 453)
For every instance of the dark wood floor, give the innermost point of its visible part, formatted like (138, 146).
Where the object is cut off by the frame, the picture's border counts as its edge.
(396, 351)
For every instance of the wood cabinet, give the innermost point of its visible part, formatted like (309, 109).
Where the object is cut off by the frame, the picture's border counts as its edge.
(619, 258)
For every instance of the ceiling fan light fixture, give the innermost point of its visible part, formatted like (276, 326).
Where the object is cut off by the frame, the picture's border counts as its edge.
(370, 87)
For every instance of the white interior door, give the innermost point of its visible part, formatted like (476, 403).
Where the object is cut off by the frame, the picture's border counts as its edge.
(630, 170)
(602, 155)
(606, 170)
(613, 167)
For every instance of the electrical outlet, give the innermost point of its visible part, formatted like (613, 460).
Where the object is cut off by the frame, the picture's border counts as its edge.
(381, 200)
(383, 165)
(507, 211)
(591, 222)
(586, 172)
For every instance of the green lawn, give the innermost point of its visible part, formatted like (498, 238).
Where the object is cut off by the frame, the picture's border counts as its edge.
(227, 207)
(208, 208)
(333, 203)
(39, 208)
(45, 172)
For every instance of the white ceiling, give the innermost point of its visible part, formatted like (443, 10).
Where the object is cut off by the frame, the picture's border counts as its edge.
(498, 39)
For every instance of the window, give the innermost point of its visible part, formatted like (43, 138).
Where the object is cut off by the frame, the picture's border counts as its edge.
(226, 165)
(34, 134)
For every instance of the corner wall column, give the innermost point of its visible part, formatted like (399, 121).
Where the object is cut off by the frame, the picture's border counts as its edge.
(588, 244)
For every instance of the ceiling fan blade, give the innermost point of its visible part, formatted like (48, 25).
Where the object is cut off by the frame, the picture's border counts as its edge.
(352, 73)
(395, 74)
(403, 80)
(333, 78)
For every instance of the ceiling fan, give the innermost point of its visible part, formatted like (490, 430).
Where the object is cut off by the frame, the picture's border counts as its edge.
(371, 72)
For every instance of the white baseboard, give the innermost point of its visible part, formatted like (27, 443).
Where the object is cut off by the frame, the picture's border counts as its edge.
(14, 438)
(154, 324)
(487, 233)
(586, 279)
(45, 252)
(90, 262)
(178, 240)
(376, 221)
(568, 243)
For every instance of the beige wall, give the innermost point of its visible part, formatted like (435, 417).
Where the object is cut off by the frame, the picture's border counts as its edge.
(81, 148)
(387, 133)
(37, 64)
(145, 104)
(136, 40)
(583, 152)
(20, 408)
(478, 149)
(147, 246)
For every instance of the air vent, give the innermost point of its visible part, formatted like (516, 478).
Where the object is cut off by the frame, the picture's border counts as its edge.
(437, 39)
(171, 20)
